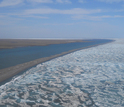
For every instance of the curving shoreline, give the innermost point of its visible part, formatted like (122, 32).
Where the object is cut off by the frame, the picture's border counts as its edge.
(14, 70)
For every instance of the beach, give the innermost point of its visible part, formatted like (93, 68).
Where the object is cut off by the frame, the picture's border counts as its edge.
(14, 70)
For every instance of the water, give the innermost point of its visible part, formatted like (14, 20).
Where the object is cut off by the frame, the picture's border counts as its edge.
(12, 57)
(92, 77)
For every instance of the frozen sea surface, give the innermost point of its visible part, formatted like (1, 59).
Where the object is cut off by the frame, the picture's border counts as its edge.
(92, 77)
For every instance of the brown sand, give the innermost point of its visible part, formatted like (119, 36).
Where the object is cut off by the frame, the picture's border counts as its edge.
(12, 43)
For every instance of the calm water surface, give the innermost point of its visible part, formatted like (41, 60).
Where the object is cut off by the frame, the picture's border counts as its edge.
(12, 57)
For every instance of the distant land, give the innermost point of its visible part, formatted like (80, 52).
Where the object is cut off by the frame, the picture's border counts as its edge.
(13, 43)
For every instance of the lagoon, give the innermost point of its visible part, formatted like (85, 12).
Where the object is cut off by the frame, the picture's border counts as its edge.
(15, 56)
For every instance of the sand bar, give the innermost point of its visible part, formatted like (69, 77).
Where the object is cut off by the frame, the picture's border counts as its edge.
(13, 43)
(14, 70)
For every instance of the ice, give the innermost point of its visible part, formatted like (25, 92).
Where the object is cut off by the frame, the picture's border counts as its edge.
(89, 77)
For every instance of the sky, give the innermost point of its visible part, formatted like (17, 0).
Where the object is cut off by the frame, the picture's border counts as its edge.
(63, 19)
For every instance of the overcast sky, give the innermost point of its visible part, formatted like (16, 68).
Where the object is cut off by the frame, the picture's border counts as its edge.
(78, 19)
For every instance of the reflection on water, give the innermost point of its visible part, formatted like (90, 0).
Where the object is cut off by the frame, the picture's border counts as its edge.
(91, 77)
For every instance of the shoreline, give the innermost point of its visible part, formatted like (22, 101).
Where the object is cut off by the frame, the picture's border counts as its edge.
(9, 73)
